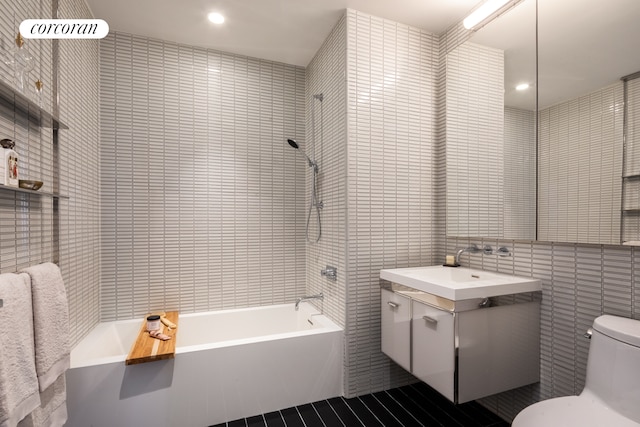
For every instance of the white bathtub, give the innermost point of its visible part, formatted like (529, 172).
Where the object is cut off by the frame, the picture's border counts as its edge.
(229, 364)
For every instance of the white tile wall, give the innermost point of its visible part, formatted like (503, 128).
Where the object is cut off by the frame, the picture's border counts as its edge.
(26, 222)
(79, 177)
(580, 151)
(474, 141)
(328, 145)
(631, 185)
(391, 219)
(203, 201)
(519, 177)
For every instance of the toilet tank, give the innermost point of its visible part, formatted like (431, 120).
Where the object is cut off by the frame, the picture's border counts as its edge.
(613, 367)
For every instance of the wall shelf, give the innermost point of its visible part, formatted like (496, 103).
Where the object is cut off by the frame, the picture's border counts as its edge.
(14, 99)
(36, 192)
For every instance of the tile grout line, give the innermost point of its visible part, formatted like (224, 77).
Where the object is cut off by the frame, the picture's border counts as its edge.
(320, 416)
(301, 417)
(435, 405)
(372, 413)
(282, 418)
(348, 407)
(401, 405)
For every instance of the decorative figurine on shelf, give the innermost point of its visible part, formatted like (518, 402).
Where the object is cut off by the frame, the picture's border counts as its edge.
(9, 164)
(39, 86)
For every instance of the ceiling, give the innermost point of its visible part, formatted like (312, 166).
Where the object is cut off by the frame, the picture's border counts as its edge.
(289, 31)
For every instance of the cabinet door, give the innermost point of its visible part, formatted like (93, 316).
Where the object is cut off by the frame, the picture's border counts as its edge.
(396, 328)
(434, 348)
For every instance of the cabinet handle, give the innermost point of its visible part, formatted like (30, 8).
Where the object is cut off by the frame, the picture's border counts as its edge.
(393, 304)
(430, 319)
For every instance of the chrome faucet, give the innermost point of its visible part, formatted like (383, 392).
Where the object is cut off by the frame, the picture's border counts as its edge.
(318, 296)
(471, 249)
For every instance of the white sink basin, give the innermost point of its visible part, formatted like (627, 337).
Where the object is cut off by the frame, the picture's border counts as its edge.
(460, 283)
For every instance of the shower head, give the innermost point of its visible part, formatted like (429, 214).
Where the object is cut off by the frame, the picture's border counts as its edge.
(294, 144)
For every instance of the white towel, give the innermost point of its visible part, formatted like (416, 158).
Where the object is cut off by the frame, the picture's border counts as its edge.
(18, 381)
(53, 410)
(50, 321)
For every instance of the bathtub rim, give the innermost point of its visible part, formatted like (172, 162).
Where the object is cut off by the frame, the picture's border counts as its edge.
(326, 325)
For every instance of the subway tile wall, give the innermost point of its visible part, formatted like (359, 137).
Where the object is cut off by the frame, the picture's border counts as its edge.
(26, 221)
(391, 179)
(26, 228)
(474, 141)
(519, 178)
(326, 132)
(79, 177)
(580, 168)
(631, 184)
(203, 201)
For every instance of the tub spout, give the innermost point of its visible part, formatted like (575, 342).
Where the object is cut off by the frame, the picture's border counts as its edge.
(299, 300)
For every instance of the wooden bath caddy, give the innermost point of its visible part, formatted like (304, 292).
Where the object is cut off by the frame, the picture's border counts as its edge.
(149, 349)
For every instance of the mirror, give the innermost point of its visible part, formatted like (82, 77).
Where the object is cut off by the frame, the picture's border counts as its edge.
(490, 129)
(494, 187)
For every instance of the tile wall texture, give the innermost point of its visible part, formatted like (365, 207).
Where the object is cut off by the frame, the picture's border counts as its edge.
(519, 179)
(474, 141)
(580, 165)
(326, 132)
(391, 179)
(26, 228)
(26, 221)
(203, 201)
(79, 178)
(631, 185)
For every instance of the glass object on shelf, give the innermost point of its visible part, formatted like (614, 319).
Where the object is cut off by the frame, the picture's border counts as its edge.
(21, 62)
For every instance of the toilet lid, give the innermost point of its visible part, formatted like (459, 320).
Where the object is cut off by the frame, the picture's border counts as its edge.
(571, 411)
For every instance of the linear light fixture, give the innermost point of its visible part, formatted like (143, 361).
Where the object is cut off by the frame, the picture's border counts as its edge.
(483, 12)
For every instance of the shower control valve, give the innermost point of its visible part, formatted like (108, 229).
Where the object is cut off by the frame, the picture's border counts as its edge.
(330, 273)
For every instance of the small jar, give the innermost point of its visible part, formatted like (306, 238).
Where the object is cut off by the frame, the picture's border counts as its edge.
(153, 322)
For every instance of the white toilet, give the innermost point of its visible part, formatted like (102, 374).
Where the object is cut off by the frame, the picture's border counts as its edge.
(611, 395)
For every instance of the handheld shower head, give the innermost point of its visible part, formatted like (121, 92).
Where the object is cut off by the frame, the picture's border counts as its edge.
(294, 144)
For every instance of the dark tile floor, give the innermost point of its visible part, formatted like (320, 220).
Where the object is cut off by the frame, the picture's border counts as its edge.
(413, 405)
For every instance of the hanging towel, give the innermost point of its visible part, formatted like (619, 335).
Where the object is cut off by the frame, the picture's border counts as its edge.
(52, 412)
(18, 381)
(50, 321)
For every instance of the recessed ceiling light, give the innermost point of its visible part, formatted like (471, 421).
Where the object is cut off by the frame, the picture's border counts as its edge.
(522, 86)
(216, 18)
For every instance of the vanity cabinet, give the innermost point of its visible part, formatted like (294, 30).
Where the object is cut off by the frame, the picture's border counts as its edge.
(465, 349)
(433, 338)
(396, 319)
